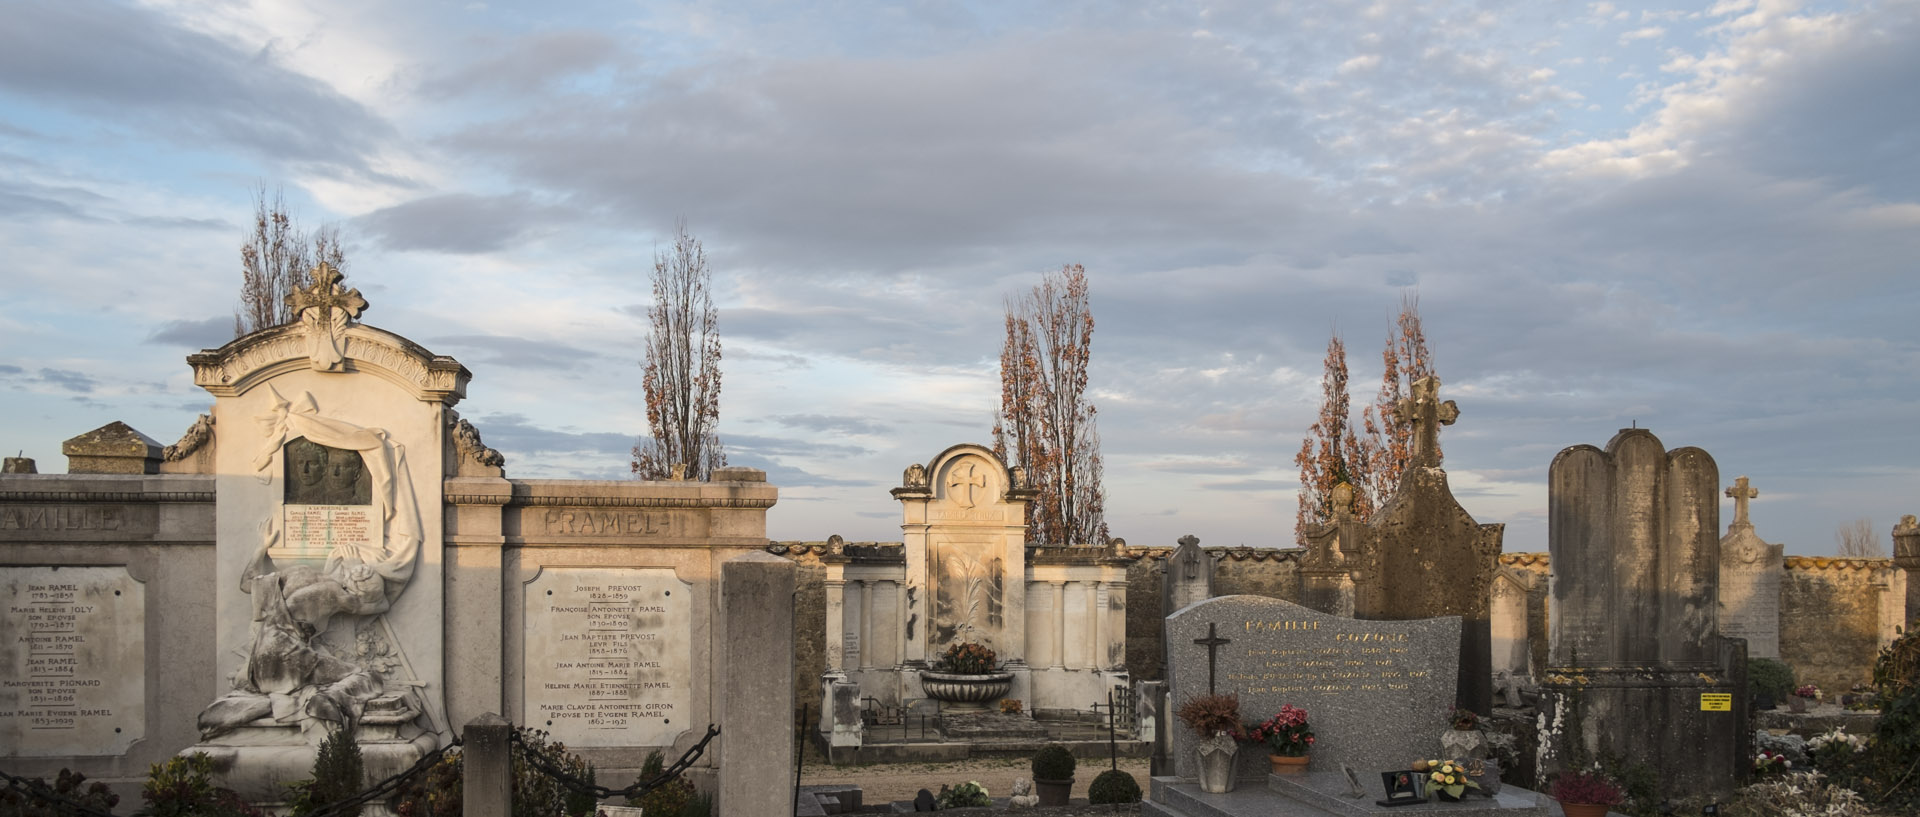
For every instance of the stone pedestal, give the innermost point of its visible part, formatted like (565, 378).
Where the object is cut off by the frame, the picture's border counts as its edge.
(259, 760)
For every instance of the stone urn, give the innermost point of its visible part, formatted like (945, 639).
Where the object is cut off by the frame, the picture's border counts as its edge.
(1217, 756)
(1462, 744)
(965, 691)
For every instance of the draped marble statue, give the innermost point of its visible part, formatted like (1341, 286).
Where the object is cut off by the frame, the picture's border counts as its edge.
(291, 674)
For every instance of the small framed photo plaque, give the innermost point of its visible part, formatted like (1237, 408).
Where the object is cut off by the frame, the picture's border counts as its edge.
(1404, 788)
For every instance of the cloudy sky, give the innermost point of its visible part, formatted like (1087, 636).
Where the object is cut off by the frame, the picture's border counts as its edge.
(1703, 219)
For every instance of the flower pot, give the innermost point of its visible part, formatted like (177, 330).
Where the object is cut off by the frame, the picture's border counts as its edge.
(1283, 764)
(1444, 797)
(1763, 702)
(1796, 703)
(1583, 809)
(965, 692)
(1053, 792)
(1217, 755)
(1463, 743)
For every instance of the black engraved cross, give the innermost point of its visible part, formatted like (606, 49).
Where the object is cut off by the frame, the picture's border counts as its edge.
(1212, 643)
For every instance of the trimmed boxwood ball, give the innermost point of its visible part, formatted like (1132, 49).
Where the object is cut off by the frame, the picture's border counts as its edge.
(1767, 676)
(1053, 762)
(1113, 786)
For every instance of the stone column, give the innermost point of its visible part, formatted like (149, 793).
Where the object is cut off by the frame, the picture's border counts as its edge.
(1117, 623)
(1059, 624)
(866, 624)
(900, 622)
(486, 789)
(1906, 557)
(836, 620)
(756, 596)
(1096, 627)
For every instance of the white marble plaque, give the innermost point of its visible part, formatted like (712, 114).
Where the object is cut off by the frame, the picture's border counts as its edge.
(315, 531)
(609, 655)
(74, 660)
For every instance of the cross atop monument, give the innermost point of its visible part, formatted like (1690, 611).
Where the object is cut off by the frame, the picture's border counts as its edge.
(1741, 492)
(1423, 409)
(1212, 642)
(962, 481)
(324, 310)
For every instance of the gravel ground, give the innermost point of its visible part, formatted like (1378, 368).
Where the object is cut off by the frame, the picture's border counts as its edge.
(882, 783)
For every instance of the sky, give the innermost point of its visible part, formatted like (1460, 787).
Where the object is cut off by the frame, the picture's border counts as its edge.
(1700, 219)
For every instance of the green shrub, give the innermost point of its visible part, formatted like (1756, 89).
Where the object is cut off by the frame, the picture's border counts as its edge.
(1113, 786)
(1053, 762)
(337, 775)
(183, 787)
(67, 786)
(669, 799)
(1768, 676)
(537, 794)
(966, 795)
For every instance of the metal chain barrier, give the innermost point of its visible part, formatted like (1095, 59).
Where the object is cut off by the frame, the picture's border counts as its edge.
(600, 792)
(40, 790)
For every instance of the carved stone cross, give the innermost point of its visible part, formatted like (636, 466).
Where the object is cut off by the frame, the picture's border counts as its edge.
(962, 481)
(1424, 410)
(1212, 642)
(324, 310)
(1741, 492)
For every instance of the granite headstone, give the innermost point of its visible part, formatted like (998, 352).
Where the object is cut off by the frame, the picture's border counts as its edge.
(1377, 693)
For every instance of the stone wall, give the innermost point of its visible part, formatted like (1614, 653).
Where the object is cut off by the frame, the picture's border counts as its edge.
(1833, 618)
(1238, 571)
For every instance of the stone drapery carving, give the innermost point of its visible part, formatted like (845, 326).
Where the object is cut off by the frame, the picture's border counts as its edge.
(324, 310)
(291, 673)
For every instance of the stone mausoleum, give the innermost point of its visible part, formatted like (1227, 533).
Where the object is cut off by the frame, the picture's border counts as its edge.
(331, 547)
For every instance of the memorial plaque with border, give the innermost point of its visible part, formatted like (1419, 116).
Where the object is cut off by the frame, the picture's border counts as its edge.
(1377, 693)
(74, 657)
(609, 655)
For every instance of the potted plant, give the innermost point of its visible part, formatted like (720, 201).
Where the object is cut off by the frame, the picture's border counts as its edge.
(1768, 681)
(1448, 779)
(1288, 736)
(1463, 739)
(1053, 774)
(1804, 695)
(1585, 794)
(1216, 720)
(964, 677)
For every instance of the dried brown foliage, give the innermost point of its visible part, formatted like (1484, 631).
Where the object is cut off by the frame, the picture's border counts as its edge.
(682, 382)
(276, 258)
(1388, 445)
(1045, 422)
(1331, 453)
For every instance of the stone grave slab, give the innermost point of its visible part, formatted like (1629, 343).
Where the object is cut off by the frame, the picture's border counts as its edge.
(73, 661)
(1377, 693)
(609, 655)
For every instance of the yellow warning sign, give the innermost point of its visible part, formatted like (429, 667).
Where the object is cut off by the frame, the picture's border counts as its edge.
(1716, 702)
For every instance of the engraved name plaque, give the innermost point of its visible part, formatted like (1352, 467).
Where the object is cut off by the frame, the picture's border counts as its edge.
(73, 660)
(609, 655)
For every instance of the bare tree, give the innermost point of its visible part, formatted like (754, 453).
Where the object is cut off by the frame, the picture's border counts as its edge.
(682, 382)
(1331, 453)
(277, 258)
(1045, 421)
(1857, 540)
(1388, 445)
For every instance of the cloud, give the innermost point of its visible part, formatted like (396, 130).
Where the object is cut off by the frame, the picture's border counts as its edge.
(530, 64)
(515, 352)
(209, 333)
(459, 223)
(833, 424)
(1252, 485)
(515, 435)
(68, 380)
(191, 87)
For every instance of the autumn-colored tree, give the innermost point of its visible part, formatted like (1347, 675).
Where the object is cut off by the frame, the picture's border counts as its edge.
(1331, 453)
(682, 381)
(1045, 423)
(1388, 445)
(277, 258)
